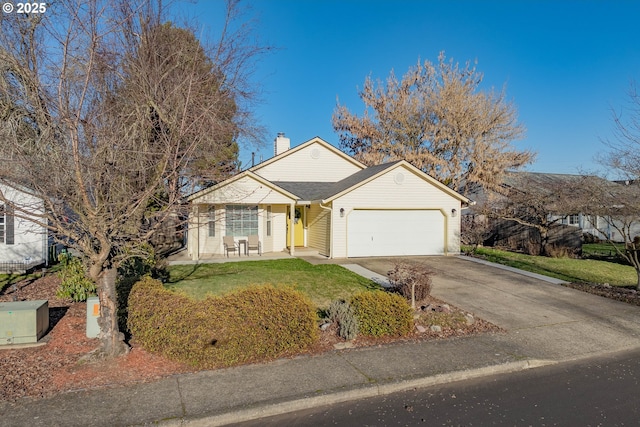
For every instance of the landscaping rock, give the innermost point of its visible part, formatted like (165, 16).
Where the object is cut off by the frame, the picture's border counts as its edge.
(343, 345)
(469, 319)
(436, 328)
(444, 308)
(421, 329)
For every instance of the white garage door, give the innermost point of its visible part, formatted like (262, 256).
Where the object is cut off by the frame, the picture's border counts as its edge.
(395, 232)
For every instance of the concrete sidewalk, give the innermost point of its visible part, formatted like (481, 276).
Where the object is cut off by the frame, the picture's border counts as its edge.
(248, 392)
(546, 323)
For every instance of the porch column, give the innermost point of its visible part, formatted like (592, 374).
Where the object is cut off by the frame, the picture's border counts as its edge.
(292, 233)
(196, 252)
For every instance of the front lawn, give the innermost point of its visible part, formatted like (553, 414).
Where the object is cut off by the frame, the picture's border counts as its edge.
(604, 249)
(569, 269)
(322, 283)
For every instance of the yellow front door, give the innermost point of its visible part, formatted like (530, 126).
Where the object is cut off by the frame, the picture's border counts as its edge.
(298, 228)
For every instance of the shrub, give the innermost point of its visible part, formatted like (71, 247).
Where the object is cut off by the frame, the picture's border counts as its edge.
(130, 271)
(557, 251)
(382, 313)
(75, 284)
(590, 238)
(254, 324)
(265, 322)
(342, 313)
(160, 319)
(412, 281)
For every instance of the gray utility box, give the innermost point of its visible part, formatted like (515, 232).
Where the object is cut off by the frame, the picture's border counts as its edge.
(93, 313)
(23, 322)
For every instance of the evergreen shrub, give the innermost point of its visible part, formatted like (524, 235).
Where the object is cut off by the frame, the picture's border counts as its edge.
(254, 324)
(341, 313)
(381, 313)
(74, 284)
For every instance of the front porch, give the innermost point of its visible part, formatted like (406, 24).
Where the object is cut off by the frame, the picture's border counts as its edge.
(276, 226)
(182, 257)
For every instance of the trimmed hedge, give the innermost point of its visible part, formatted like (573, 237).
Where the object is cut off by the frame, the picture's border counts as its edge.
(381, 313)
(254, 324)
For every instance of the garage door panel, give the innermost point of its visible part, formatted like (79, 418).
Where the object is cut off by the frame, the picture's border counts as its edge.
(395, 232)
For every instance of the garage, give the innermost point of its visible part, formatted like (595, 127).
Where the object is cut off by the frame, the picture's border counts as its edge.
(387, 232)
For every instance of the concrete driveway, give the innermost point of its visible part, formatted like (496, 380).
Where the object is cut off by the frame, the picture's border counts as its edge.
(542, 319)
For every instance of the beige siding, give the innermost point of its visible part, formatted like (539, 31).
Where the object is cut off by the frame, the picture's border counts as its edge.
(200, 231)
(413, 192)
(279, 228)
(245, 190)
(318, 223)
(266, 240)
(312, 163)
(200, 243)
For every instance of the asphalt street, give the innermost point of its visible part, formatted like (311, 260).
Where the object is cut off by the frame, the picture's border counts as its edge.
(595, 392)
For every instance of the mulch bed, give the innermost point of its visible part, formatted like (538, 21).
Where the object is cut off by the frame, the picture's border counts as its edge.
(60, 364)
(619, 293)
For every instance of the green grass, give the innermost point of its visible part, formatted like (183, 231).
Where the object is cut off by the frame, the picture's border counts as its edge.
(600, 249)
(569, 269)
(322, 283)
(8, 280)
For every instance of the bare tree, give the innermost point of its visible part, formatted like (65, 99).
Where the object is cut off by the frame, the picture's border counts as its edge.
(437, 119)
(109, 115)
(619, 204)
(623, 150)
(475, 227)
(538, 201)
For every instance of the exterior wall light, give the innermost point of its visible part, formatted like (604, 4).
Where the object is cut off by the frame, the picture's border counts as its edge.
(341, 212)
(454, 213)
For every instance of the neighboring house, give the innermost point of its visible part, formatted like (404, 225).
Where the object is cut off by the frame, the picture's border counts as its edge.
(315, 196)
(566, 228)
(589, 224)
(23, 243)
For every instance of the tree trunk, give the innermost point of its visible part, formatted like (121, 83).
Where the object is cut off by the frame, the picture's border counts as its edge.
(112, 339)
(638, 284)
(544, 240)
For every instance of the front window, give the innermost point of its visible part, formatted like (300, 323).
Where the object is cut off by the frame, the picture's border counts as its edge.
(211, 221)
(241, 220)
(574, 219)
(268, 220)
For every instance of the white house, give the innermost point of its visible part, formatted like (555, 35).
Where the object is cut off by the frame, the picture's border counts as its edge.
(23, 243)
(337, 206)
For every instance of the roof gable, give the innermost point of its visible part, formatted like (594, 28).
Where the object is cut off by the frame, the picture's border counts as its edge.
(242, 188)
(328, 191)
(373, 172)
(313, 161)
(317, 171)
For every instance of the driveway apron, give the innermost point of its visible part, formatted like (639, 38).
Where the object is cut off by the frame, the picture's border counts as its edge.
(546, 320)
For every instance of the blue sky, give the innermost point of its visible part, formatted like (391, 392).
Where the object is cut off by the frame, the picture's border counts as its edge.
(565, 64)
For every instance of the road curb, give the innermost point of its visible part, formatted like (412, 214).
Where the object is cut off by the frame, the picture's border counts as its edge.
(366, 391)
